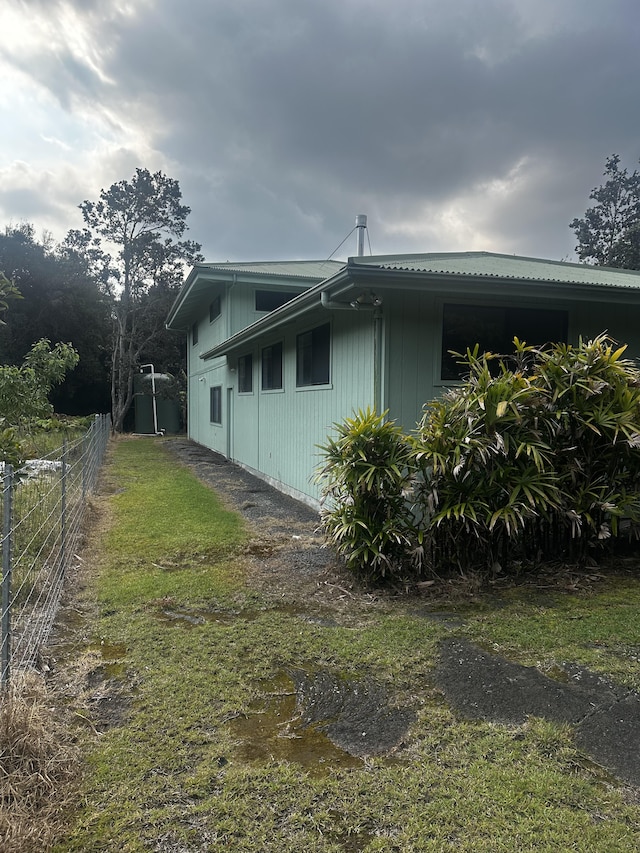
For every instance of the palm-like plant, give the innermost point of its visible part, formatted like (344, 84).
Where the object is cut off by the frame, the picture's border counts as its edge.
(535, 456)
(538, 461)
(366, 475)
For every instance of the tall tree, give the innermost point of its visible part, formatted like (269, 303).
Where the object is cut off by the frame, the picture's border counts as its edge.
(62, 301)
(609, 232)
(143, 221)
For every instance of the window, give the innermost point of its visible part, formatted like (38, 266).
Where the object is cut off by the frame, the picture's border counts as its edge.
(194, 334)
(272, 367)
(214, 309)
(245, 374)
(312, 356)
(269, 300)
(494, 328)
(215, 402)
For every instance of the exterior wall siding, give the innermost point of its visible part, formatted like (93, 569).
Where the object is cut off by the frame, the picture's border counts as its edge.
(412, 347)
(414, 341)
(276, 433)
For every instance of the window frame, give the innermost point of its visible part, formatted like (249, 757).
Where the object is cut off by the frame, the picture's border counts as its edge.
(215, 405)
(276, 347)
(215, 308)
(194, 333)
(562, 312)
(281, 298)
(322, 347)
(245, 373)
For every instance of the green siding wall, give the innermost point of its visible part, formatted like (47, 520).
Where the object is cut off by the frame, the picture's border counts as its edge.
(412, 346)
(413, 343)
(276, 433)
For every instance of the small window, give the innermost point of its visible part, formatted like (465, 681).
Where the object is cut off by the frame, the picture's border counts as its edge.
(215, 400)
(214, 309)
(269, 300)
(493, 328)
(272, 367)
(312, 356)
(245, 374)
(194, 334)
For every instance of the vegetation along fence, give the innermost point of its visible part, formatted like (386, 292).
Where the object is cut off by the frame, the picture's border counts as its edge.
(43, 505)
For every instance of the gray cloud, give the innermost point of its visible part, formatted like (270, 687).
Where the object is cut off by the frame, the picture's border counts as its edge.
(284, 120)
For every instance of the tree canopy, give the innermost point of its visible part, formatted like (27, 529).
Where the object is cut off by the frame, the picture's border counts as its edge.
(609, 232)
(141, 221)
(62, 300)
(7, 291)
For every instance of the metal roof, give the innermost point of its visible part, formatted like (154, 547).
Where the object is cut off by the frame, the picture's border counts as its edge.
(201, 282)
(316, 270)
(490, 265)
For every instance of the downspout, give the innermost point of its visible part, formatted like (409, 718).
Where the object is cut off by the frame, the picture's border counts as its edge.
(377, 359)
(228, 289)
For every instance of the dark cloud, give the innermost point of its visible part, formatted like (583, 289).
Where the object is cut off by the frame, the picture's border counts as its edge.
(282, 120)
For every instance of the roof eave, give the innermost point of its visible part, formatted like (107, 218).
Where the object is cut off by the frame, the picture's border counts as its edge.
(212, 273)
(297, 307)
(354, 275)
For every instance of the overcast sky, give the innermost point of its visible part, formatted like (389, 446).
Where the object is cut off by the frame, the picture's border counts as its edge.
(455, 125)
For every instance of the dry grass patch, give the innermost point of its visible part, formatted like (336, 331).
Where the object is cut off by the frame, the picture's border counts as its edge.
(39, 768)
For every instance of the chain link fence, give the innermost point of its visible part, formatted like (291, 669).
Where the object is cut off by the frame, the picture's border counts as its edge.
(43, 506)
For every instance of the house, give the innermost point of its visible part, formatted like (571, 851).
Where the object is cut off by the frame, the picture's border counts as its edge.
(278, 352)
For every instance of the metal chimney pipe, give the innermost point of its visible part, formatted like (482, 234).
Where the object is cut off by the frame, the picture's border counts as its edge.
(361, 226)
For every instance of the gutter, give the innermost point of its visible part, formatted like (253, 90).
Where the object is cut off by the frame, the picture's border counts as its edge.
(364, 300)
(249, 333)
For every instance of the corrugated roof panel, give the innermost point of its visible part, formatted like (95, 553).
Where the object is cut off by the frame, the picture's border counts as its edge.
(487, 264)
(306, 269)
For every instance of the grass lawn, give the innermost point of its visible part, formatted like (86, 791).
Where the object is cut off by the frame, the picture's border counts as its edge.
(195, 664)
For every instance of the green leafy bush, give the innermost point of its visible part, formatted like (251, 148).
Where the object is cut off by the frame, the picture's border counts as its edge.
(485, 452)
(366, 478)
(24, 392)
(11, 449)
(537, 461)
(535, 457)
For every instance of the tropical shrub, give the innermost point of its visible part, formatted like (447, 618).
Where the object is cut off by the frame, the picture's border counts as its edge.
(539, 460)
(365, 478)
(534, 457)
(485, 452)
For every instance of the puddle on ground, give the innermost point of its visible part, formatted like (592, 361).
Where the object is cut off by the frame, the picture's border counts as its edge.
(274, 730)
(321, 721)
(191, 618)
(111, 651)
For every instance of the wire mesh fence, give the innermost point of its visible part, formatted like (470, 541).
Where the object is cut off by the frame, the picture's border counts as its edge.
(43, 506)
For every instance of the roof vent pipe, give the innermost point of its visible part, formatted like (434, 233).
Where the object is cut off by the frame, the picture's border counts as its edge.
(361, 227)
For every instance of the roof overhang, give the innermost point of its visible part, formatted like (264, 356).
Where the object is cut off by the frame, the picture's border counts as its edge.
(360, 275)
(205, 281)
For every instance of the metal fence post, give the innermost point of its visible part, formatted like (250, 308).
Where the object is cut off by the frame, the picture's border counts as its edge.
(84, 459)
(5, 656)
(63, 509)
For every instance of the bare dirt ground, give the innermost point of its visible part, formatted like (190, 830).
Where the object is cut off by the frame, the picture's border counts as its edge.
(288, 559)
